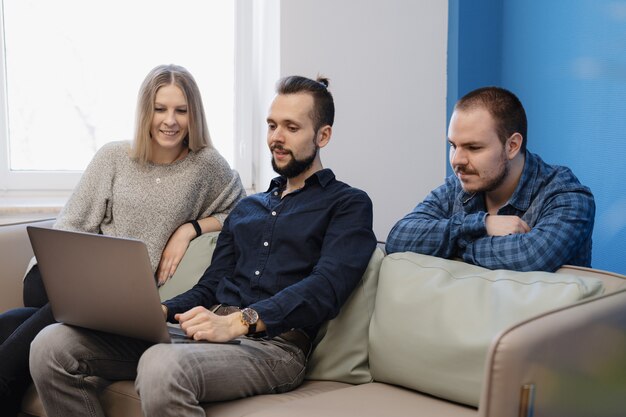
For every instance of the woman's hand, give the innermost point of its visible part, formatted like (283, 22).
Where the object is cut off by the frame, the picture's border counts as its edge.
(177, 246)
(174, 252)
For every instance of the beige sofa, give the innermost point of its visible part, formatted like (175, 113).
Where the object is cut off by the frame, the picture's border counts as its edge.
(375, 359)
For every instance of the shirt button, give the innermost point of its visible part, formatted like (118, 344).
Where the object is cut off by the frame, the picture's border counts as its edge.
(257, 273)
(158, 180)
(275, 192)
(265, 244)
(273, 213)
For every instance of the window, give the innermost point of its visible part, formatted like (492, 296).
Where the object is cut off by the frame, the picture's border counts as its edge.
(72, 70)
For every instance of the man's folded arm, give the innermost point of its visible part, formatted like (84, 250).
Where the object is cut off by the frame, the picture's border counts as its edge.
(432, 229)
(552, 242)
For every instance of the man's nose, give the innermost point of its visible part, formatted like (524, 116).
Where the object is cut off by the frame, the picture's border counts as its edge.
(277, 135)
(458, 157)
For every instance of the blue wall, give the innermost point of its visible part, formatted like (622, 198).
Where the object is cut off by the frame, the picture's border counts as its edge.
(566, 60)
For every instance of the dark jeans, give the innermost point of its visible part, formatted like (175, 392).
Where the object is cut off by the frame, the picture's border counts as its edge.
(18, 327)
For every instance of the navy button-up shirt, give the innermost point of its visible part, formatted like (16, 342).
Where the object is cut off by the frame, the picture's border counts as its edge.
(550, 199)
(295, 260)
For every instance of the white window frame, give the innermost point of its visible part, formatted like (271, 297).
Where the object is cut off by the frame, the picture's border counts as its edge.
(45, 183)
(243, 139)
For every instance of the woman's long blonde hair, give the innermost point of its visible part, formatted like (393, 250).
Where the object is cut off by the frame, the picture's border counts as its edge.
(198, 136)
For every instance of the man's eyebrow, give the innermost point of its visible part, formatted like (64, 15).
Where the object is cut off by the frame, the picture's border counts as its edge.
(467, 143)
(284, 122)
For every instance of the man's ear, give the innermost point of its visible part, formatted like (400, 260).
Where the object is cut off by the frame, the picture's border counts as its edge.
(514, 145)
(323, 135)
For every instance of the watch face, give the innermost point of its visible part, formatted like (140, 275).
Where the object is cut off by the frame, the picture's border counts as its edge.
(250, 316)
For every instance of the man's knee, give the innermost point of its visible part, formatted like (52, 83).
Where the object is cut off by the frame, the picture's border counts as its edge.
(161, 363)
(161, 375)
(47, 347)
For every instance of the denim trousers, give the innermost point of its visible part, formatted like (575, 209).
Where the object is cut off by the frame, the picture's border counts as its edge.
(18, 328)
(71, 365)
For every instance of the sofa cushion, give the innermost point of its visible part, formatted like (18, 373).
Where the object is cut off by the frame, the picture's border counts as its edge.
(196, 260)
(120, 399)
(435, 319)
(341, 346)
(367, 400)
(243, 407)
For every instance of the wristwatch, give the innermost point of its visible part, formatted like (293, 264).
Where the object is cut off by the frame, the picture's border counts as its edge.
(249, 318)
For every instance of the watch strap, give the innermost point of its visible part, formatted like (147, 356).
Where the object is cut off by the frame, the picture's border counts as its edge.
(196, 227)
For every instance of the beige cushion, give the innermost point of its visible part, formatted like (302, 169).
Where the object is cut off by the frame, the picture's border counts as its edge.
(243, 407)
(341, 351)
(196, 260)
(121, 400)
(366, 400)
(435, 319)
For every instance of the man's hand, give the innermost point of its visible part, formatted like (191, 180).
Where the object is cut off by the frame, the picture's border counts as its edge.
(201, 324)
(505, 225)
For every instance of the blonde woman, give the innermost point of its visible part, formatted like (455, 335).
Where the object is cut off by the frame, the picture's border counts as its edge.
(165, 188)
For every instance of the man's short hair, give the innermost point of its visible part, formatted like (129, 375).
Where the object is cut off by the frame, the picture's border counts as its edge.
(323, 105)
(505, 108)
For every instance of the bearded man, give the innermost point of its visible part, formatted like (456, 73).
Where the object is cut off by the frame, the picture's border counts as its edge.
(504, 207)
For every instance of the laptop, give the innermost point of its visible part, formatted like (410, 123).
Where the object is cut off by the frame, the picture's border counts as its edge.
(102, 283)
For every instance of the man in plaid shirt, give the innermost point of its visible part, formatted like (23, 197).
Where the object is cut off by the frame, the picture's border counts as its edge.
(504, 207)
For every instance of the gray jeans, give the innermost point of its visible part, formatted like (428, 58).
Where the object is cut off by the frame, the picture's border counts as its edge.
(71, 365)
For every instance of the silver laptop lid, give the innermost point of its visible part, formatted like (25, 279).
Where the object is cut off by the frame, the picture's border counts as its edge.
(100, 282)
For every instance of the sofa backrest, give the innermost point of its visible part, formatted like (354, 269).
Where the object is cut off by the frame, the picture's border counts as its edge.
(342, 353)
(435, 319)
(611, 281)
(15, 253)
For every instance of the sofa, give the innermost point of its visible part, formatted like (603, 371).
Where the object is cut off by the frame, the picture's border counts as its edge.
(423, 336)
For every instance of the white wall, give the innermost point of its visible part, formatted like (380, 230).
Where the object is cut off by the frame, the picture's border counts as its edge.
(386, 60)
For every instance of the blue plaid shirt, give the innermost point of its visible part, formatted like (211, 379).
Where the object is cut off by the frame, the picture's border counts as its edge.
(295, 260)
(450, 223)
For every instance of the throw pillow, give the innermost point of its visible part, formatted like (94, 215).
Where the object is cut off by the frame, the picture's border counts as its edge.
(196, 260)
(341, 352)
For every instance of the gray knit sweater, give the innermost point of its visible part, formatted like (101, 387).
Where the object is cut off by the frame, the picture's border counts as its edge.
(117, 196)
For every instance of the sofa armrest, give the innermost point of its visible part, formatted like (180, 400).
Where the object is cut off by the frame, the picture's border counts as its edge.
(573, 357)
(15, 253)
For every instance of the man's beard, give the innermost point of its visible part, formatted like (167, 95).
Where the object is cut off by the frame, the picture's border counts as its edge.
(499, 179)
(295, 166)
(493, 183)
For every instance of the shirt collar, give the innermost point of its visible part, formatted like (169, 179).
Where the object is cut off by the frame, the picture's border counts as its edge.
(323, 177)
(523, 193)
